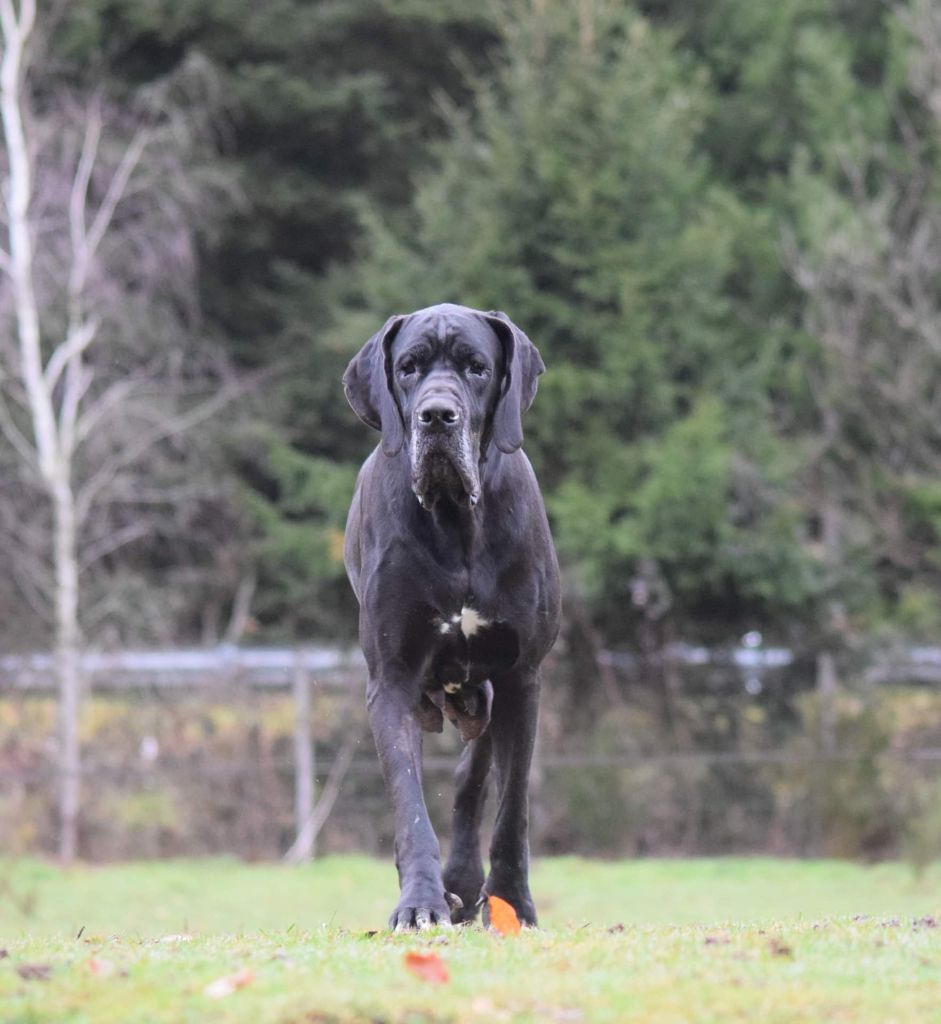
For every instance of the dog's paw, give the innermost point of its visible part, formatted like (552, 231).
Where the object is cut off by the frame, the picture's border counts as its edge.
(411, 915)
(464, 880)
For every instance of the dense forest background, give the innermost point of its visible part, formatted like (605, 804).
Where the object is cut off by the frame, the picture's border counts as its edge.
(719, 220)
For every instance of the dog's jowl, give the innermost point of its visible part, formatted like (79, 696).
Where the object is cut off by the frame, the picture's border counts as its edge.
(449, 553)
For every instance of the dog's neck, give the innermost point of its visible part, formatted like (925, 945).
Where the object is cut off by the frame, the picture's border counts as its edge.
(459, 525)
(458, 520)
(454, 528)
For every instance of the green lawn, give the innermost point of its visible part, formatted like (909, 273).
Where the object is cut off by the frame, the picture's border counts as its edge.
(672, 941)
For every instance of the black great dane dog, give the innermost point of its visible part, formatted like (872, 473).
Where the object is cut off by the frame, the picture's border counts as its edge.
(449, 553)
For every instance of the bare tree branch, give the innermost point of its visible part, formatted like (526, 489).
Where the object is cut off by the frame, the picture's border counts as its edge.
(116, 189)
(172, 427)
(78, 199)
(15, 436)
(328, 797)
(74, 345)
(241, 607)
(36, 597)
(113, 541)
(116, 395)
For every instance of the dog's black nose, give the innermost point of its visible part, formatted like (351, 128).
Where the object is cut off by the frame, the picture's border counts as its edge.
(438, 412)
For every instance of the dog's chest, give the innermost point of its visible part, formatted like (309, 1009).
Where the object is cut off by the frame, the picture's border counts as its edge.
(467, 646)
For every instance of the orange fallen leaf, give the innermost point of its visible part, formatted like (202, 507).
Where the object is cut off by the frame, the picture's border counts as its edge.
(503, 917)
(428, 966)
(228, 984)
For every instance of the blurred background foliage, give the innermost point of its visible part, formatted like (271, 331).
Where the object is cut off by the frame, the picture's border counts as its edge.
(720, 222)
(694, 209)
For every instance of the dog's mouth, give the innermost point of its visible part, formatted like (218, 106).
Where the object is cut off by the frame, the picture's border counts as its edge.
(445, 467)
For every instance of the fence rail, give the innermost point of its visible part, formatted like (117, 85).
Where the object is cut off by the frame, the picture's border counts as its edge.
(261, 667)
(434, 763)
(276, 667)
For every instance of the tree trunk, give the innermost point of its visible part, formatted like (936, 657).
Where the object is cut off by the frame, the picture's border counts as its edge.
(68, 666)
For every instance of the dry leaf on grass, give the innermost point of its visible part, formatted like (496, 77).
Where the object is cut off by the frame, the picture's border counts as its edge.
(228, 984)
(428, 966)
(34, 972)
(503, 917)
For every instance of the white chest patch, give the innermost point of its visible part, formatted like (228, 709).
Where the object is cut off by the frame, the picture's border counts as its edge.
(471, 621)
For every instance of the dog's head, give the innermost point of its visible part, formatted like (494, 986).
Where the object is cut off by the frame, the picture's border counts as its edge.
(446, 381)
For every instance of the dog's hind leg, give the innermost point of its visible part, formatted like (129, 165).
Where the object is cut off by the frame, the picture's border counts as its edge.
(464, 871)
(513, 734)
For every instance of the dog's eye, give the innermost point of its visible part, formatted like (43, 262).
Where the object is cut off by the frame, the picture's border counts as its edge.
(477, 368)
(407, 367)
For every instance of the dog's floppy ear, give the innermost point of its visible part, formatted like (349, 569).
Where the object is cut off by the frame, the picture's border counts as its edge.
(522, 365)
(368, 386)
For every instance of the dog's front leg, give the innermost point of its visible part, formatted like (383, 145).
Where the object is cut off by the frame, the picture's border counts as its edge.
(417, 856)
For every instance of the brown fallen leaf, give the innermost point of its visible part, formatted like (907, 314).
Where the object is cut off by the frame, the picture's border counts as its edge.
(428, 966)
(34, 972)
(503, 917)
(779, 948)
(229, 983)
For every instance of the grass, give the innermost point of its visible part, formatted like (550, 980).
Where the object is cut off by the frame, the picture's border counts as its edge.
(672, 941)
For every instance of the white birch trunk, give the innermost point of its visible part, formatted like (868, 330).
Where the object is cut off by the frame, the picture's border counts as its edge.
(61, 407)
(52, 460)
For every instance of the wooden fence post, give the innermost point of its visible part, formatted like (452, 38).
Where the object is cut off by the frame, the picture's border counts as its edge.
(304, 765)
(826, 695)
